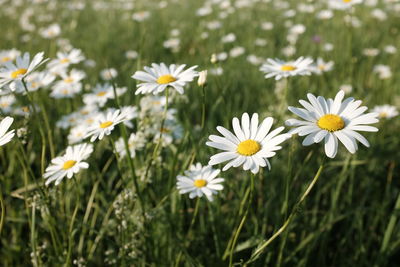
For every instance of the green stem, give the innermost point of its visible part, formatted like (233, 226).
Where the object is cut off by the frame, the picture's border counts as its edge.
(196, 211)
(162, 124)
(390, 226)
(265, 244)
(203, 108)
(239, 229)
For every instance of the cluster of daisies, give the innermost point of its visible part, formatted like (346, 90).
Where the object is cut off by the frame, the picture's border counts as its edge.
(250, 145)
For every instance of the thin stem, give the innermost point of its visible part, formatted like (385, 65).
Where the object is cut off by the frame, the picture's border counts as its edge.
(162, 124)
(265, 244)
(129, 156)
(203, 108)
(196, 211)
(390, 226)
(239, 229)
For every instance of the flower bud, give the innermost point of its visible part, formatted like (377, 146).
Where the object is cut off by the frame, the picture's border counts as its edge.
(202, 78)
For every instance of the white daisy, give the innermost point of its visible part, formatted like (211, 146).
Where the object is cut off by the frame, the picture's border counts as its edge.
(100, 95)
(199, 181)
(135, 142)
(104, 124)
(23, 66)
(281, 69)
(68, 164)
(343, 4)
(65, 59)
(108, 74)
(321, 66)
(158, 77)
(386, 111)
(8, 55)
(35, 81)
(6, 103)
(5, 136)
(51, 31)
(251, 145)
(332, 120)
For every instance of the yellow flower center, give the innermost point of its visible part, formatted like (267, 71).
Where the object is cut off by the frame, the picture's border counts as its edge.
(68, 164)
(65, 91)
(200, 183)
(17, 73)
(64, 60)
(248, 147)
(347, 1)
(106, 124)
(383, 114)
(321, 67)
(5, 59)
(331, 122)
(68, 80)
(166, 79)
(4, 105)
(288, 68)
(101, 93)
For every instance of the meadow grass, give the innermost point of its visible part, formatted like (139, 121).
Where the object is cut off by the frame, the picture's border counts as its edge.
(129, 213)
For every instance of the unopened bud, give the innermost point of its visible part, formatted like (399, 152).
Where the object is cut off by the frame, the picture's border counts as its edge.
(202, 78)
(214, 59)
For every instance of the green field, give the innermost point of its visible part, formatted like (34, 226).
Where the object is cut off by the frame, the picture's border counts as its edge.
(122, 205)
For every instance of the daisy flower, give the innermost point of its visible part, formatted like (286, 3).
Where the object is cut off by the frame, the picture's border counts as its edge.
(8, 55)
(5, 136)
(108, 74)
(51, 31)
(23, 66)
(100, 95)
(343, 4)
(332, 120)
(35, 81)
(158, 77)
(386, 111)
(199, 181)
(64, 60)
(6, 103)
(281, 69)
(135, 142)
(68, 164)
(251, 145)
(104, 124)
(322, 66)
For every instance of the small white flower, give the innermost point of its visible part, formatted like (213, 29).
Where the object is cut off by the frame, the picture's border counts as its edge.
(15, 73)
(64, 60)
(68, 164)
(251, 145)
(5, 136)
(282, 69)
(386, 111)
(159, 76)
(100, 95)
(104, 124)
(322, 66)
(108, 74)
(199, 181)
(135, 142)
(343, 4)
(6, 103)
(332, 120)
(51, 31)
